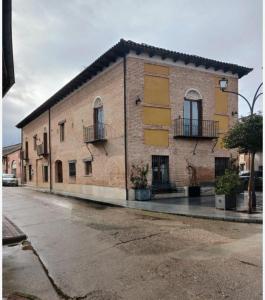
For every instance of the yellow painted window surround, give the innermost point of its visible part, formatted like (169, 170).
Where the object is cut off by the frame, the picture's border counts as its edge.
(221, 99)
(155, 137)
(156, 69)
(223, 123)
(223, 128)
(156, 116)
(156, 90)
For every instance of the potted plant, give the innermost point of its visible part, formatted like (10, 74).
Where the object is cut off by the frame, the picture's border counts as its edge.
(139, 180)
(226, 189)
(194, 189)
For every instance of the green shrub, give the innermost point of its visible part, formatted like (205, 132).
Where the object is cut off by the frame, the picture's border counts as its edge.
(228, 184)
(139, 176)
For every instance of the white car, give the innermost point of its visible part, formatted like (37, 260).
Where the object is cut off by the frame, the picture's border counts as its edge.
(9, 180)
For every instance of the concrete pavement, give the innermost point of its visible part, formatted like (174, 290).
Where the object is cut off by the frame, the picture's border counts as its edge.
(99, 252)
(24, 275)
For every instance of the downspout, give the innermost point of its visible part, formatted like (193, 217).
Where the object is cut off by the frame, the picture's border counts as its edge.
(125, 125)
(21, 160)
(50, 153)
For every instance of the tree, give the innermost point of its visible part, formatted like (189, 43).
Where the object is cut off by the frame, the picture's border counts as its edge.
(246, 135)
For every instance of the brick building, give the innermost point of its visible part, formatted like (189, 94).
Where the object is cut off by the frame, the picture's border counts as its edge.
(136, 103)
(11, 160)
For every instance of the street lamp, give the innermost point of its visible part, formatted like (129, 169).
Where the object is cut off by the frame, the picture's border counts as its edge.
(223, 84)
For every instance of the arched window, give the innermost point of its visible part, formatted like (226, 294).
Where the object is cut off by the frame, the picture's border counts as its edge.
(98, 102)
(14, 168)
(58, 171)
(192, 113)
(98, 119)
(193, 94)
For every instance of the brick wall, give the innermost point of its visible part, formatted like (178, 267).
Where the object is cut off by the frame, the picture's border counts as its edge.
(77, 111)
(108, 167)
(36, 127)
(181, 79)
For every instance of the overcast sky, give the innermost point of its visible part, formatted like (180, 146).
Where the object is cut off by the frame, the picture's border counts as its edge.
(55, 40)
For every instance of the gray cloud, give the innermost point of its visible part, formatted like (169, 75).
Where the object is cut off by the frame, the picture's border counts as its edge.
(55, 40)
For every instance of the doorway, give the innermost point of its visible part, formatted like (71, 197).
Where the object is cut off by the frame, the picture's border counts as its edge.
(25, 174)
(160, 172)
(192, 122)
(98, 123)
(58, 171)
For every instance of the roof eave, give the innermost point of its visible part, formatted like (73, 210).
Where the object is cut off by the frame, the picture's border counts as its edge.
(122, 48)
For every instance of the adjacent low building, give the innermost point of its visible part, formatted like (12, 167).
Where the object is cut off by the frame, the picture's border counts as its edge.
(135, 104)
(245, 162)
(11, 160)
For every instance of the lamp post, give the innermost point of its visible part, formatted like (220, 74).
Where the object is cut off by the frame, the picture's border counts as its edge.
(223, 84)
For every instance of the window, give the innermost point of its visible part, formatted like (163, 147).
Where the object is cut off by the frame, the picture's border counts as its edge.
(221, 164)
(14, 167)
(45, 147)
(30, 172)
(58, 171)
(192, 117)
(62, 132)
(25, 174)
(26, 150)
(35, 142)
(61, 125)
(160, 172)
(98, 119)
(88, 167)
(45, 173)
(72, 168)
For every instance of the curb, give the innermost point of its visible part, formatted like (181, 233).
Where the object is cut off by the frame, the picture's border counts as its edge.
(226, 219)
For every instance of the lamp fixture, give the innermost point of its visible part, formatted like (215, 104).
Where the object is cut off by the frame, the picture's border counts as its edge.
(138, 100)
(223, 84)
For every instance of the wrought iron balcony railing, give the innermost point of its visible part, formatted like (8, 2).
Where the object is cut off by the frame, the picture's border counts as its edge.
(192, 128)
(95, 133)
(42, 150)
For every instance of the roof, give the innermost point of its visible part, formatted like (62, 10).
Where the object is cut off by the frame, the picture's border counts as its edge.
(120, 50)
(8, 75)
(10, 149)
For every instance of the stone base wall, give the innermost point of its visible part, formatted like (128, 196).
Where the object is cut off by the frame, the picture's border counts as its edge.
(94, 193)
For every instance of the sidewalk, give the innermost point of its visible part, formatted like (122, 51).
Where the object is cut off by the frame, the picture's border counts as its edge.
(24, 277)
(202, 207)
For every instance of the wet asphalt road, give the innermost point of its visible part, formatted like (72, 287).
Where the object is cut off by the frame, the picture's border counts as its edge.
(102, 252)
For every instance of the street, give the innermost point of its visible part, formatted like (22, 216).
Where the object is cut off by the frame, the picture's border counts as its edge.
(83, 250)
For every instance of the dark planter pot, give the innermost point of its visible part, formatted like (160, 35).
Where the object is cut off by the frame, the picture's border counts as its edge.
(194, 191)
(142, 194)
(225, 201)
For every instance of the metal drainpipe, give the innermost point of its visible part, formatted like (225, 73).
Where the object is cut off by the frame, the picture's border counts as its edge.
(125, 125)
(50, 153)
(21, 159)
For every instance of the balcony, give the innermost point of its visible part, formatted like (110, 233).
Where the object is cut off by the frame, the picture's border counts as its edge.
(191, 128)
(95, 133)
(42, 150)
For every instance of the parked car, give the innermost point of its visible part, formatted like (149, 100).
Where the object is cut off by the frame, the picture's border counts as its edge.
(258, 176)
(9, 180)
